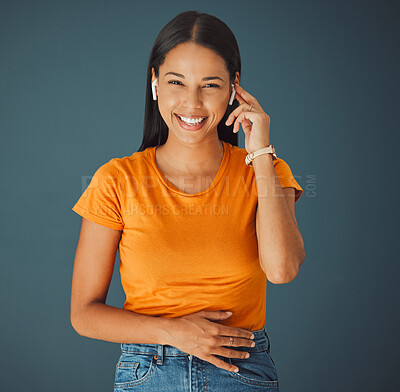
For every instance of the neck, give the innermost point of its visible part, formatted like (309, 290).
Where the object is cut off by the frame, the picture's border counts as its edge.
(192, 158)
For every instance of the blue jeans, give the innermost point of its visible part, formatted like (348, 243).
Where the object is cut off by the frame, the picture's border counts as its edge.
(157, 367)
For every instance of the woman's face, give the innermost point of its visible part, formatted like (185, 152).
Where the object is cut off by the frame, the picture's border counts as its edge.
(184, 87)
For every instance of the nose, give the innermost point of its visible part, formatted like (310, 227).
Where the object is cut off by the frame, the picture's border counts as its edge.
(193, 98)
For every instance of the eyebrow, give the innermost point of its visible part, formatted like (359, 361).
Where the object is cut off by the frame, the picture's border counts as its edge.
(181, 76)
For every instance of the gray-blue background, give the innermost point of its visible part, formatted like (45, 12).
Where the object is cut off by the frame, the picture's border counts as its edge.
(73, 77)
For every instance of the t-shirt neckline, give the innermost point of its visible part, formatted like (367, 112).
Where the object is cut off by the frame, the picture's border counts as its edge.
(173, 188)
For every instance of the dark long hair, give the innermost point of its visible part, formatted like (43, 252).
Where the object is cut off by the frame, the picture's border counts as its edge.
(202, 29)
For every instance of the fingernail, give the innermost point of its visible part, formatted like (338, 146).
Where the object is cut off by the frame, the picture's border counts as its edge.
(236, 370)
(252, 336)
(253, 344)
(229, 313)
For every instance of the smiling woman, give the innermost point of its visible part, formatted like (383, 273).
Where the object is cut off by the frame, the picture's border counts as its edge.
(188, 218)
(191, 97)
(194, 73)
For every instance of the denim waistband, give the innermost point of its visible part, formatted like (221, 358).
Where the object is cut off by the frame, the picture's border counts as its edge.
(261, 340)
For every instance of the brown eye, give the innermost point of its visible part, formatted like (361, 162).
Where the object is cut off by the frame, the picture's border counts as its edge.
(180, 84)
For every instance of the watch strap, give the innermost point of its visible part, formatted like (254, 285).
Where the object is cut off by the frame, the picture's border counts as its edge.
(266, 150)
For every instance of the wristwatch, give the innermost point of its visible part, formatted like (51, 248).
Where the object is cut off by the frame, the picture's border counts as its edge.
(266, 150)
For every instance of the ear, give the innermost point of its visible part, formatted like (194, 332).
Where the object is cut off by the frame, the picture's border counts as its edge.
(237, 78)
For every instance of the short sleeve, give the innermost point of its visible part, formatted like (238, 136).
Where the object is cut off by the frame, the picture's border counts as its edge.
(286, 178)
(101, 201)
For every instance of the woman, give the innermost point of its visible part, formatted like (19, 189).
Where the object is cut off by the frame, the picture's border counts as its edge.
(198, 230)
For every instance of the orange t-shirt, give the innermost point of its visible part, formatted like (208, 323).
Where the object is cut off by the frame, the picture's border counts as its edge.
(181, 253)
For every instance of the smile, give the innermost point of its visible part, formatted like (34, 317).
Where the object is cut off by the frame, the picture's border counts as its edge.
(190, 124)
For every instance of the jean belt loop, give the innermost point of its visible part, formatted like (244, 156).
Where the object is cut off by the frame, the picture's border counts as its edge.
(269, 342)
(160, 353)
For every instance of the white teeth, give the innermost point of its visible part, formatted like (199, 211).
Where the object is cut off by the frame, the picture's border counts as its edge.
(190, 121)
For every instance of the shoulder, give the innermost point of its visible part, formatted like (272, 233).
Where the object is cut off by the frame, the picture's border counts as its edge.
(282, 166)
(120, 166)
(237, 151)
(237, 157)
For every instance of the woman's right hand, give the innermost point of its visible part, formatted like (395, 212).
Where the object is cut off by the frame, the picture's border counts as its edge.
(195, 334)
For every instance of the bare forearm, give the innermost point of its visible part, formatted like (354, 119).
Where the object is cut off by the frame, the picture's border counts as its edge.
(112, 324)
(281, 244)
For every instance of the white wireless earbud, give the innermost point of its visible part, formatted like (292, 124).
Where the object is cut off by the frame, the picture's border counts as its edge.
(232, 95)
(153, 88)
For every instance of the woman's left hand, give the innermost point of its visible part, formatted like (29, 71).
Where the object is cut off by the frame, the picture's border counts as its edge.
(257, 131)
